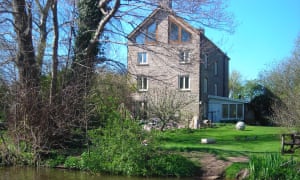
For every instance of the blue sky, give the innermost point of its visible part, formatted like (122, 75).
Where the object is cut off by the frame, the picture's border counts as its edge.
(266, 33)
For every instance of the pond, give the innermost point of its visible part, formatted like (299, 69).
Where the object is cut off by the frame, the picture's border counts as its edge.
(29, 173)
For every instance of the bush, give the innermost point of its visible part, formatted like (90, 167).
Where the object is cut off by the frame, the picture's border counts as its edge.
(171, 165)
(73, 163)
(57, 160)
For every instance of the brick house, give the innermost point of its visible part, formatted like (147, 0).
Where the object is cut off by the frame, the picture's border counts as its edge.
(164, 50)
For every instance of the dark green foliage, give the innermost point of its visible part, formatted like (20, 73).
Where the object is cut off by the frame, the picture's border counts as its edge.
(172, 165)
(57, 160)
(73, 163)
(262, 103)
(89, 18)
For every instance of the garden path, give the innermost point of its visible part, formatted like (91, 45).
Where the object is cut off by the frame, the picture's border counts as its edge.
(211, 166)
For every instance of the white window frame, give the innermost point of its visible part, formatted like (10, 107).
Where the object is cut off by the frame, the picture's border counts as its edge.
(144, 59)
(184, 56)
(142, 79)
(184, 78)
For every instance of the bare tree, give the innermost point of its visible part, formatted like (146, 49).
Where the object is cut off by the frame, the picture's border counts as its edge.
(284, 81)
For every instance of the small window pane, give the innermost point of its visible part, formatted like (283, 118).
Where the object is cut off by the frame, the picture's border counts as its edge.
(140, 39)
(184, 56)
(232, 111)
(225, 110)
(187, 82)
(151, 35)
(185, 36)
(174, 33)
(139, 82)
(142, 58)
(181, 79)
(145, 84)
(240, 111)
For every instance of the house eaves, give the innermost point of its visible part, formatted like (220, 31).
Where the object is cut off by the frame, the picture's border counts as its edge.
(213, 44)
(226, 99)
(146, 21)
(170, 14)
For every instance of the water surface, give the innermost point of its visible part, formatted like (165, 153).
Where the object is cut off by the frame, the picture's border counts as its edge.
(29, 173)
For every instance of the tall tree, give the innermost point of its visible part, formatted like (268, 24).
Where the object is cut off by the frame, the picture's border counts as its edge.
(284, 81)
(235, 84)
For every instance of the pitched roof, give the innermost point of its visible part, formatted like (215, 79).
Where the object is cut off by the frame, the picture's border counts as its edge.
(176, 18)
(155, 12)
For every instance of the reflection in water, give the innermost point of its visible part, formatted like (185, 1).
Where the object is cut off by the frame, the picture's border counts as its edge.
(28, 173)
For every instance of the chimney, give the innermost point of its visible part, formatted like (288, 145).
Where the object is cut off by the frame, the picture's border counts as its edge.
(166, 3)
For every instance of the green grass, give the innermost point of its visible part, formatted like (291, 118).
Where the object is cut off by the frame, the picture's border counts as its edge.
(254, 139)
(235, 168)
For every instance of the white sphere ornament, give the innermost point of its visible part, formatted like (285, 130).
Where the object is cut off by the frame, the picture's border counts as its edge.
(240, 125)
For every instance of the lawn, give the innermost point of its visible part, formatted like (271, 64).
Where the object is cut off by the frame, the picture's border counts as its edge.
(254, 139)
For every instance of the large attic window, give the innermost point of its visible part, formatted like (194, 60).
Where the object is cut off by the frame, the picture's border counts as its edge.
(178, 34)
(148, 35)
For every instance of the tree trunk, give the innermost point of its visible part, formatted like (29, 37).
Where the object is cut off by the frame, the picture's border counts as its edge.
(53, 88)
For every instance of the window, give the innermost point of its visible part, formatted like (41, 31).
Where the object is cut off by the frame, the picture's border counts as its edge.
(205, 61)
(140, 39)
(174, 32)
(205, 85)
(142, 58)
(185, 36)
(151, 33)
(148, 35)
(216, 89)
(225, 111)
(142, 83)
(232, 111)
(184, 56)
(240, 111)
(184, 82)
(178, 34)
(216, 68)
